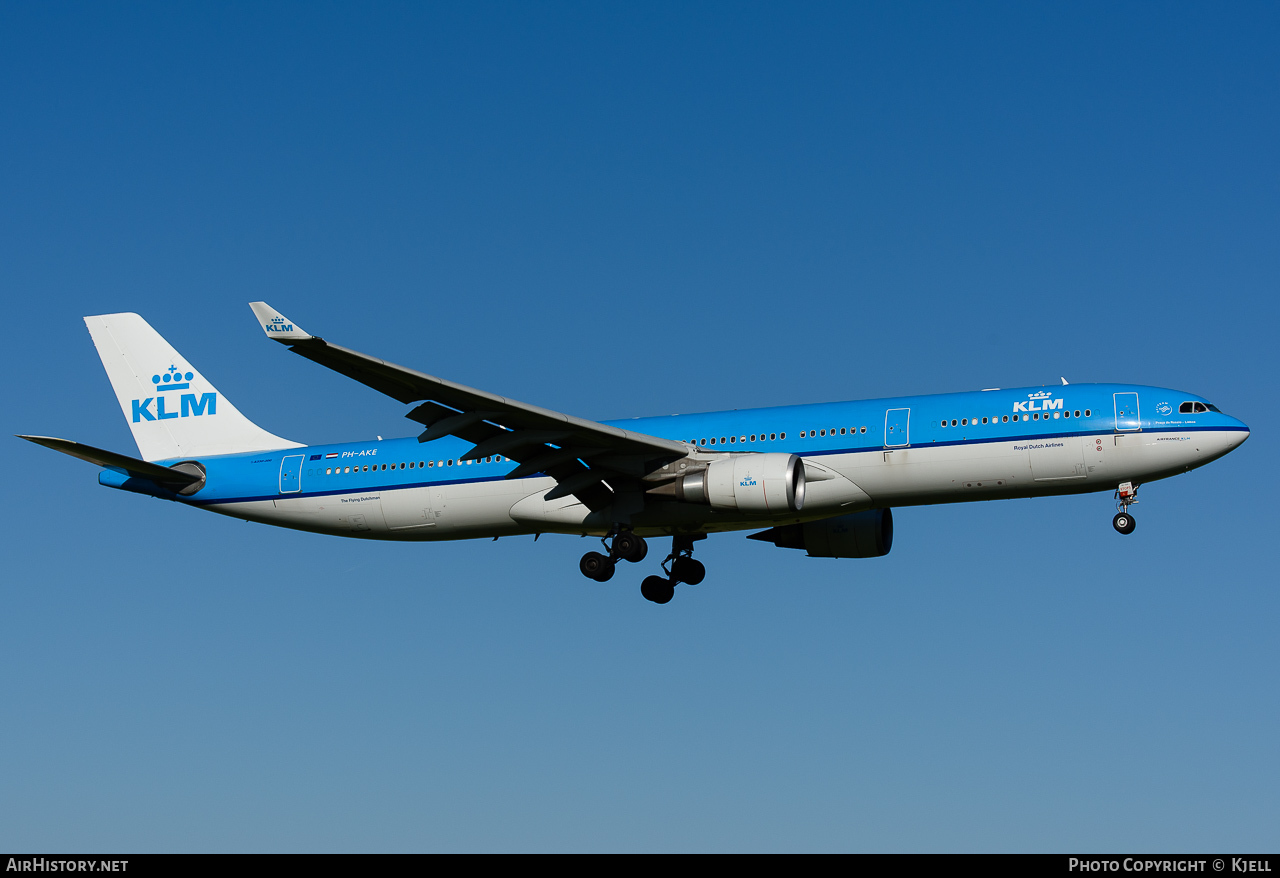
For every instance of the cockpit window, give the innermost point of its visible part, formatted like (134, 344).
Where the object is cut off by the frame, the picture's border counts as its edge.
(1185, 408)
(1195, 408)
(1214, 408)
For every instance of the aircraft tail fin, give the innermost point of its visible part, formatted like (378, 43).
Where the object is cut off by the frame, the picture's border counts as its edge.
(170, 407)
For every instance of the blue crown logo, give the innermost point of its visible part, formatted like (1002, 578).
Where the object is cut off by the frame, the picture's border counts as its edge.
(1044, 394)
(172, 379)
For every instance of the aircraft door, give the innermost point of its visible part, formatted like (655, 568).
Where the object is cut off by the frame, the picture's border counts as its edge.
(1127, 412)
(897, 428)
(291, 474)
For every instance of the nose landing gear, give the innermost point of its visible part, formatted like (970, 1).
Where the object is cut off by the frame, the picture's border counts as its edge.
(1126, 496)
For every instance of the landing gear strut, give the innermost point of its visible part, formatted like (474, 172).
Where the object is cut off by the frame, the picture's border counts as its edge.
(1126, 496)
(683, 569)
(625, 546)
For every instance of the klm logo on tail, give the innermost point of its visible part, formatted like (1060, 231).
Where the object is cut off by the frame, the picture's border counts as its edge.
(189, 406)
(278, 324)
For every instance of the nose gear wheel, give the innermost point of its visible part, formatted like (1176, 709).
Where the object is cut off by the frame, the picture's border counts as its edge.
(1126, 496)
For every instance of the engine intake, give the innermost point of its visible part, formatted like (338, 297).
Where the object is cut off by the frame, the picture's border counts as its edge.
(769, 483)
(866, 534)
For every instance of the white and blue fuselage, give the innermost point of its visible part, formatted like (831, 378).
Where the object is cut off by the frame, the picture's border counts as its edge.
(867, 454)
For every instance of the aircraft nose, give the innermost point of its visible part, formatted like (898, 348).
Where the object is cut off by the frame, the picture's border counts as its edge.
(1234, 435)
(1236, 438)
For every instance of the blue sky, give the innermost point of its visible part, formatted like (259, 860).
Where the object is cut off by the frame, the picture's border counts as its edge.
(616, 211)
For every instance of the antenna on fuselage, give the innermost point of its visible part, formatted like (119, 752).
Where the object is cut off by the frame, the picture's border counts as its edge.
(1064, 381)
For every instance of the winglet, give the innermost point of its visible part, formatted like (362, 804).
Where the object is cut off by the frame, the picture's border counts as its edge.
(276, 325)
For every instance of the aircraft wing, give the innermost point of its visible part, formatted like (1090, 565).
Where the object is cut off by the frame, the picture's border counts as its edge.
(587, 459)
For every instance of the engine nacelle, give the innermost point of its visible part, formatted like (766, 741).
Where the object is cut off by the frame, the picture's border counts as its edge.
(866, 534)
(770, 483)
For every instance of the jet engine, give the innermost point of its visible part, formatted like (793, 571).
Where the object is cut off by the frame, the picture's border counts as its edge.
(770, 483)
(866, 534)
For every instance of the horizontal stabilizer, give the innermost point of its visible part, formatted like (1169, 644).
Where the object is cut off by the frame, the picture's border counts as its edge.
(161, 475)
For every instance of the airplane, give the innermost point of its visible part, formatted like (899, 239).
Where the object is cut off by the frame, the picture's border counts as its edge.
(823, 478)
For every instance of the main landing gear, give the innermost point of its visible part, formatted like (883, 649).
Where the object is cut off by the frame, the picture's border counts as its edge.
(1126, 496)
(683, 569)
(627, 546)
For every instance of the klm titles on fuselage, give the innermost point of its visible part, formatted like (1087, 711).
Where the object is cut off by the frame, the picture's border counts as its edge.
(1038, 402)
(189, 404)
